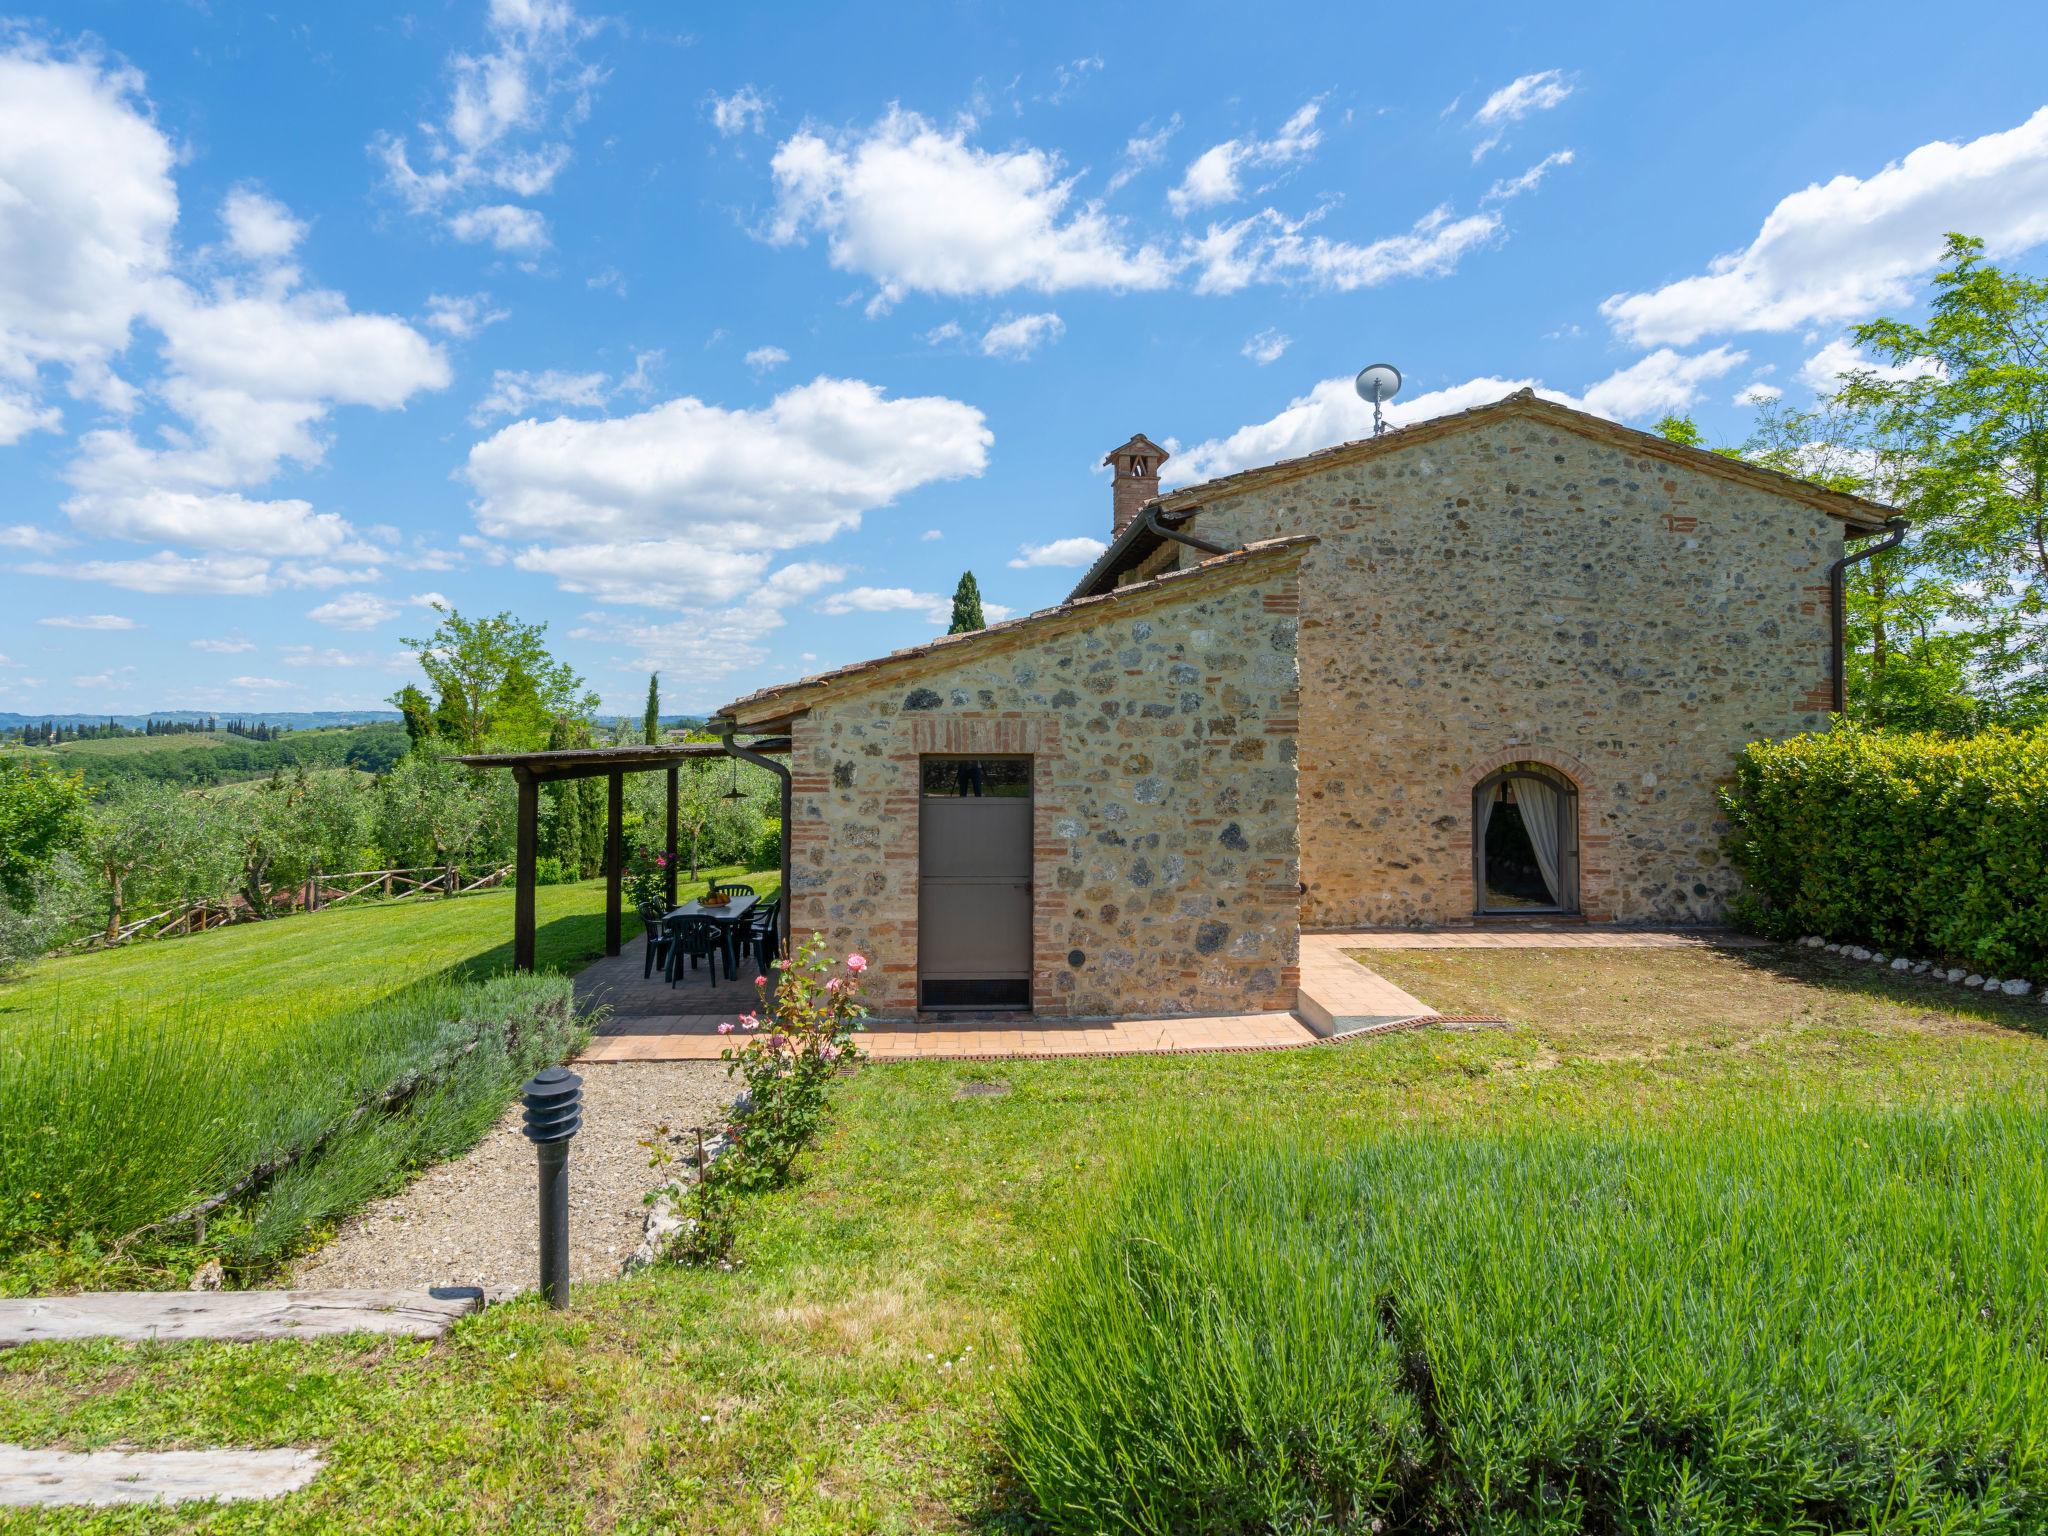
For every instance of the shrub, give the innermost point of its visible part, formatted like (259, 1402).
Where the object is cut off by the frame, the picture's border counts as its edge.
(1822, 1323)
(1919, 843)
(548, 871)
(789, 1063)
(111, 1123)
(768, 847)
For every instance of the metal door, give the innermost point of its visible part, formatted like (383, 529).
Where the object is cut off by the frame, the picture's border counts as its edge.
(974, 882)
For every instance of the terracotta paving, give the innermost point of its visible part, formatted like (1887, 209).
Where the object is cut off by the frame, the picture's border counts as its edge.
(1534, 936)
(1339, 999)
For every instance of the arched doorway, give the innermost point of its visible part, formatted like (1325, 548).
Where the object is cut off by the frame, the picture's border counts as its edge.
(1525, 841)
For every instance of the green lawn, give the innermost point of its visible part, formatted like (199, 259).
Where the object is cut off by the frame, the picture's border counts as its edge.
(845, 1376)
(324, 962)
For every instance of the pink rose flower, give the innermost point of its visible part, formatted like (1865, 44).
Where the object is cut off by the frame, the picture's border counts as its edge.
(856, 963)
(725, 1029)
(832, 985)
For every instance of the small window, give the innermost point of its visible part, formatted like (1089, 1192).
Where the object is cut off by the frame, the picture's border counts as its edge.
(977, 777)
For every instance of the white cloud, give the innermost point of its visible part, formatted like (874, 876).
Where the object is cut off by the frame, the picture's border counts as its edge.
(930, 535)
(1142, 151)
(1214, 175)
(462, 316)
(1067, 78)
(917, 208)
(746, 108)
(354, 610)
(796, 581)
(793, 472)
(331, 656)
(37, 541)
(429, 600)
(1823, 372)
(1662, 382)
(1079, 550)
(1329, 414)
(255, 683)
(655, 573)
(766, 359)
(1267, 346)
(20, 415)
(1019, 336)
(514, 393)
(931, 606)
(166, 572)
(229, 647)
(945, 333)
(697, 647)
(259, 226)
(685, 504)
(99, 621)
(1529, 180)
(505, 130)
(1268, 247)
(1757, 393)
(1847, 248)
(86, 210)
(1520, 97)
(503, 225)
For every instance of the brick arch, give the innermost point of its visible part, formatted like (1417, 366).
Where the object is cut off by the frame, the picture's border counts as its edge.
(1592, 801)
(1596, 876)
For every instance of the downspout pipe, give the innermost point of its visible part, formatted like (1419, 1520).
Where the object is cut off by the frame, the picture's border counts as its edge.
(1154, 523)
(1838, 618)
(781, 771)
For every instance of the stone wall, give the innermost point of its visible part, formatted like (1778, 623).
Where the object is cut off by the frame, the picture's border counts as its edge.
(1162, 727)
(1515, 591)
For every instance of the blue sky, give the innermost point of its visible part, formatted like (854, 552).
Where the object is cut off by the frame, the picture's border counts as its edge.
(724, 339)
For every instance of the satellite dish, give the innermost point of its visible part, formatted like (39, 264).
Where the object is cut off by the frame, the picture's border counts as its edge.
(1377, 384)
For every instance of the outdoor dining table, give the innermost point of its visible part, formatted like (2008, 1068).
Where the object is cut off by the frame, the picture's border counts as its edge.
(730, 917)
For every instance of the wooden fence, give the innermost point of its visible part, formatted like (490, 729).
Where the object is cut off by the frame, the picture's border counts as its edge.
(316, 893)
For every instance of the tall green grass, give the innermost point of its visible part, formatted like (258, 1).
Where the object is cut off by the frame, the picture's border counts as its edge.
(114, 1120)
(1825, 1323)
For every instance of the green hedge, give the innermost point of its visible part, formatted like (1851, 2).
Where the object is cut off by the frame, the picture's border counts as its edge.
(1927, 845)
(1810, 1323)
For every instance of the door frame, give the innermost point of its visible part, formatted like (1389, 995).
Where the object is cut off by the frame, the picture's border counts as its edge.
(1033, 762)
(1568, 854)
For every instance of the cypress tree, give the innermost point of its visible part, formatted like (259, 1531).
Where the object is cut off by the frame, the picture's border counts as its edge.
(967, 606)
(651, 721)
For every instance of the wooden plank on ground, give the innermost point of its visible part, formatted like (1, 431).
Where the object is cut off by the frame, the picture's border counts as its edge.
(48, 1478)
(418, 1314)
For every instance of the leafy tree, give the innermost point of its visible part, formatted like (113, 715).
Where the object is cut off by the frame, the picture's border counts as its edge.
(1967, 393)
(430, 811)
(494, 681)
(967, 606)
(593, 823)
(650, 722)
(43, 815)
(418, 711)
(152, 845)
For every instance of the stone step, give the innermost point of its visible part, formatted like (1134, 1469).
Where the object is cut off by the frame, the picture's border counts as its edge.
(138, 1315)
(36, 1478)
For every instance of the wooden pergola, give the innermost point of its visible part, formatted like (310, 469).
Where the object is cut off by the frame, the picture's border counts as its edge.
(530, 770)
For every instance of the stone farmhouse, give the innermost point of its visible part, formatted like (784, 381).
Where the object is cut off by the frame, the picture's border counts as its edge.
(1481, 669)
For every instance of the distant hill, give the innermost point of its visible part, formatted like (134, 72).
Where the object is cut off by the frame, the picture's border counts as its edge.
(198, 757)
(296, 719)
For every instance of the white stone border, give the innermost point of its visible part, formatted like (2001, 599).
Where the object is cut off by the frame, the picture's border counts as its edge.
(1954, 975)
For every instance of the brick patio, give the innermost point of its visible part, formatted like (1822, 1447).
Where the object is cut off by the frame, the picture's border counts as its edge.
(1339, 999)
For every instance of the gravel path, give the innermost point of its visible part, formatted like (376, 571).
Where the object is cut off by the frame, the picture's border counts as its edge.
(471, 1221)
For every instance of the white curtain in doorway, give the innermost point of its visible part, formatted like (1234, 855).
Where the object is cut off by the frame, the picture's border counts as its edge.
(1542, 808)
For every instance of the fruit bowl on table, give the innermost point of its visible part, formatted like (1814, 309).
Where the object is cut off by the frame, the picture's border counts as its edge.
(714, 901)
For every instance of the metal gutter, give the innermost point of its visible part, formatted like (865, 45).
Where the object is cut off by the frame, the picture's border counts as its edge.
(781, 771)
(1837, 602)
(1149, 523)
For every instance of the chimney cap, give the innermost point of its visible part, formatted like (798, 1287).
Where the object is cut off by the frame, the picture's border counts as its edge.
(1139, 446)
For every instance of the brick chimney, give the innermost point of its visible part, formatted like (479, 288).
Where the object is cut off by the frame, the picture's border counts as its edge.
(1136, 467)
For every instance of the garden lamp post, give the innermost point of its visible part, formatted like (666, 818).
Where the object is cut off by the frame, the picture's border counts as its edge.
(554, 1114)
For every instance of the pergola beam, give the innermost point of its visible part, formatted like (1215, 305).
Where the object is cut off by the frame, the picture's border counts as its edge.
(530, 770)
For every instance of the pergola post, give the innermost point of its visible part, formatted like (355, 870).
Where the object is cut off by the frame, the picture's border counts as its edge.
(528, 849)
(614, 860)
(674, 799)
